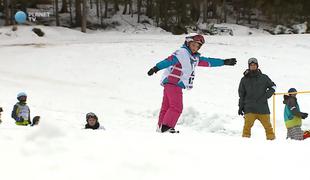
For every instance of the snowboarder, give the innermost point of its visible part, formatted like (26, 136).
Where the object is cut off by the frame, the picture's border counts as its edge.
(254, 90)
(21, 111)
(293, 117)
(179, 74)
(92, 122)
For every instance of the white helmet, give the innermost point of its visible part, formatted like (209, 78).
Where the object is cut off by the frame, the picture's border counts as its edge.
(21, 94)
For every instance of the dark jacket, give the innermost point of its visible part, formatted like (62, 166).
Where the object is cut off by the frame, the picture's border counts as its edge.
(254, 90)
(292, 105)
(96, 126)
(292, 114)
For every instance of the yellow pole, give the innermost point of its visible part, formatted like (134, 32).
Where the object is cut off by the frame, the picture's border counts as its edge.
(274, 113)
(301, 92)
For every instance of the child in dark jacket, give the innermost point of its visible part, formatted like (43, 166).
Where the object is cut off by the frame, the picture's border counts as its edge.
(21, 111)
(293, 117)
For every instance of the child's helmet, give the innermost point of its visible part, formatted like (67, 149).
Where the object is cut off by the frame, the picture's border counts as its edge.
(196, 38)
(292, 90)
(21, 94)
(91, 115)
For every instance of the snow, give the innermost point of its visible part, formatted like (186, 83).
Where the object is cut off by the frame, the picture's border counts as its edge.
(300, 28)
(67, 74)
(296, 28)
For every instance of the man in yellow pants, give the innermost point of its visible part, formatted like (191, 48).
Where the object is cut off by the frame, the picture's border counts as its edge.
(255, 89)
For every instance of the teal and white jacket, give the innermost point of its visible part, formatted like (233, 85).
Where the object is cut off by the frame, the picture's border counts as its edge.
(180, 67)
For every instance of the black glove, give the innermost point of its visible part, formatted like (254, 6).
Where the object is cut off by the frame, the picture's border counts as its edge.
(230, 61)
(240, 111)
(153, 70)
(304, 115)
(1, 110)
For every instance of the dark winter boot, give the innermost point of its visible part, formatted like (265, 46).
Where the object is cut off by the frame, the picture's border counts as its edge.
(165, 128)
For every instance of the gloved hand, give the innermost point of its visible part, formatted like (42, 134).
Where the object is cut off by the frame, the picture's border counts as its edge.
(153, 70)
(20, 119)
(1, 110)
(230, 61)
(304, 115)
(240, 111)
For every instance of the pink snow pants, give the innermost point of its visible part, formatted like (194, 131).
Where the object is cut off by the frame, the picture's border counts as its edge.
(172, 105)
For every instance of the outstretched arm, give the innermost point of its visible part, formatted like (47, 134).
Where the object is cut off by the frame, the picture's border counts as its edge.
(213, 62)
(210, 62)
(171, 60)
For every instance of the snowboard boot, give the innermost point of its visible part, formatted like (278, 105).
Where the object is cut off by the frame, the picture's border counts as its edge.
(165, 129)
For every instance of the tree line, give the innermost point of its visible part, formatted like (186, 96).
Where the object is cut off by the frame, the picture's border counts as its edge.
(172, 15)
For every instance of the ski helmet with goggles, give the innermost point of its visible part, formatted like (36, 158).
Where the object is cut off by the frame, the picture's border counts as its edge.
(196, 38)
(21, 94)
(91, 115)
(252, 60)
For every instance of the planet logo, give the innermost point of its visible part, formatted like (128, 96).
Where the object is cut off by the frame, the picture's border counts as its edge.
(20, 17)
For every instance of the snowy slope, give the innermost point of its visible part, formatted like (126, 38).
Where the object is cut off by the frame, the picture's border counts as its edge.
(67, 76)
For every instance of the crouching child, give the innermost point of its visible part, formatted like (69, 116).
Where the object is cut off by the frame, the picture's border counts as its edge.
(293, 117)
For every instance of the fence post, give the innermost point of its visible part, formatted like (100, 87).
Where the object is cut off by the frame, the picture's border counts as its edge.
(274, 113)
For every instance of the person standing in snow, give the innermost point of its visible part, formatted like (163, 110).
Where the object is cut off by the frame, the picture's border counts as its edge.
(21, 111)
(92, 122)
(293, 117)
(255, 89)
(179, 74)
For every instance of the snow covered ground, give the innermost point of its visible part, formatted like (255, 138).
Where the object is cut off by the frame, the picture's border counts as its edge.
(67, 74)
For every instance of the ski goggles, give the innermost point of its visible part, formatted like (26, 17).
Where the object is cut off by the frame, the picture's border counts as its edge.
(199, 38)
(196, 38)
(252, 60)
